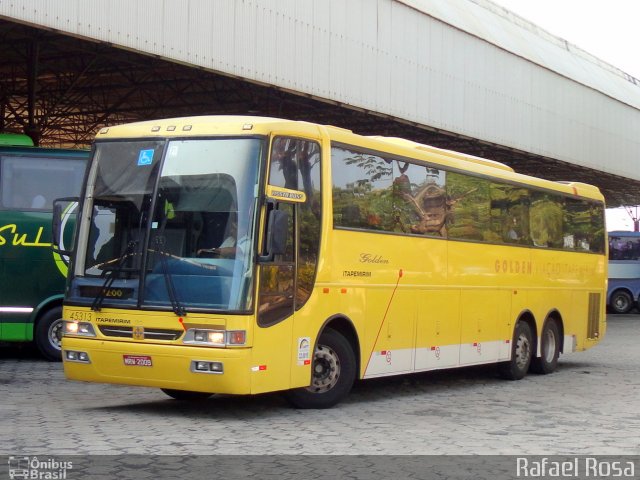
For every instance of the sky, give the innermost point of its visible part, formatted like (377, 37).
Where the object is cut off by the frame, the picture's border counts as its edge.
(607, 29)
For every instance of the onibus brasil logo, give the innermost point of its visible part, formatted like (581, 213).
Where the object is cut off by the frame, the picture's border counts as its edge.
(34, 468)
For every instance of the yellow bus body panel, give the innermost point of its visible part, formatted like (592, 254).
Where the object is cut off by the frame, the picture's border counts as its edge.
(411, 296)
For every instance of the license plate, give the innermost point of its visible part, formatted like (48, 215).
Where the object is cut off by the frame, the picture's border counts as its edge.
(137, 360)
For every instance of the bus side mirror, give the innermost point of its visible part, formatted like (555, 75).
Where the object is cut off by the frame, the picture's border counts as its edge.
(63, 212)
(277, 233)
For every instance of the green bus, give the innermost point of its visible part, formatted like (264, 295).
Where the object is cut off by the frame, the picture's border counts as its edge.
(31, 275)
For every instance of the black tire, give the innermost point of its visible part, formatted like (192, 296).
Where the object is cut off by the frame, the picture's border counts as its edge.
(48, 334)
(620, 302)
(186, 395)
(549, 349)
(333, 373)
(521, 353)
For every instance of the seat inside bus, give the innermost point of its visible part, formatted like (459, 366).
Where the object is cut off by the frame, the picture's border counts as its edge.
(202, 207)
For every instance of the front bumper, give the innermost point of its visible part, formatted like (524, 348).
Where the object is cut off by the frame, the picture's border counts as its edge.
(170, 365)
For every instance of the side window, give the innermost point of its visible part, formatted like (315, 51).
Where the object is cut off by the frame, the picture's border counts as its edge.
(362, 190)
(546, 220)
(373, 192)
(469, 205)
(296, 165)
(598, 232)
(509, 214)
(308, 220)
(579, 231)
(616, 247)
(292, 161)
(32, 183)
(624, 248)
(276, 296)
(420, 199)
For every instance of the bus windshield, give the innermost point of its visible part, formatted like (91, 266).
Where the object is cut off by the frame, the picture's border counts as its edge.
(169, 224)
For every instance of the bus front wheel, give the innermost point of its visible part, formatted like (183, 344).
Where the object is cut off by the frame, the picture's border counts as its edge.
(48, 334)
(620, 302)
(333, 372)
(521, 353)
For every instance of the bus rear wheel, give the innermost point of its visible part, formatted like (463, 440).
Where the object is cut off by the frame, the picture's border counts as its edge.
(333, 373)
(521, 353)
(620, 302)
(48, 334)
(186, 395)
(549, 349)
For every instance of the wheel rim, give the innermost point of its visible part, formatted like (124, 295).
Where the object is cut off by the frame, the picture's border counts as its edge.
(523, 351)
(326, 370)
(550, 346)
(621, 302)
(55, 334)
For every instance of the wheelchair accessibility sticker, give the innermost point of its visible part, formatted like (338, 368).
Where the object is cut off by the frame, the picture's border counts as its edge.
(145, 157)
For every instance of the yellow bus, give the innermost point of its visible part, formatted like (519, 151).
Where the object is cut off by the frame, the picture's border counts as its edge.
(242, 255)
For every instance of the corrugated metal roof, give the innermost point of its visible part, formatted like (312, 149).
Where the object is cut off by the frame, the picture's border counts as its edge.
(507, 30)
(466, 74)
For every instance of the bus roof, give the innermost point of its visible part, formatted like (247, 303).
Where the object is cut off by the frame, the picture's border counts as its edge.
(452, 153)
(251, 125)
(16, 139)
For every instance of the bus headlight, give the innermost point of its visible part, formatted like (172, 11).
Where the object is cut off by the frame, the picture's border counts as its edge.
(199, 336)
(83, 329)
(215, 338)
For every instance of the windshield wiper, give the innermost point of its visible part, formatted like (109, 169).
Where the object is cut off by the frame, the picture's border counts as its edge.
(97, 302)
(177, 307)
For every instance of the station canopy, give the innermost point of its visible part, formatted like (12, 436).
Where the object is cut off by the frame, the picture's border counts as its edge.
(61, 90)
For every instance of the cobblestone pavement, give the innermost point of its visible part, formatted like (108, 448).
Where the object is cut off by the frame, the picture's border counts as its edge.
(589, 406)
